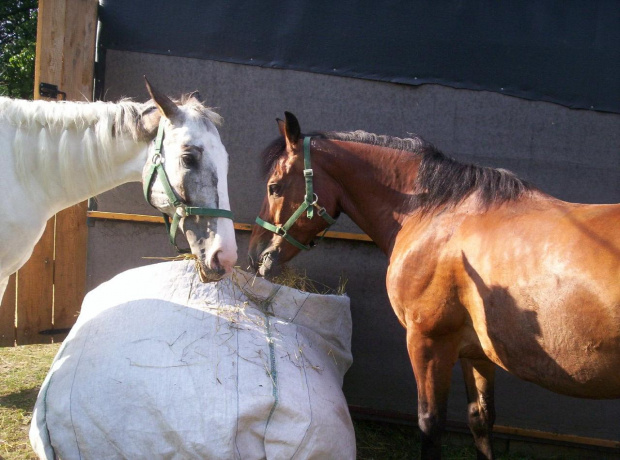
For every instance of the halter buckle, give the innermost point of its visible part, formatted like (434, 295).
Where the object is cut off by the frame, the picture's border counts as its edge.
(181, 211)
(308, 173)
(280, 231)
(157, 159)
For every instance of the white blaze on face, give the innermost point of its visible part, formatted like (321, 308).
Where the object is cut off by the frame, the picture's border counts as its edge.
(212, 239)
(200, 183)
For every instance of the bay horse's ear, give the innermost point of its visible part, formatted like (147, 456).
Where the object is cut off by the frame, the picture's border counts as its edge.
(292, 131)
(168, 108)
(281, 127)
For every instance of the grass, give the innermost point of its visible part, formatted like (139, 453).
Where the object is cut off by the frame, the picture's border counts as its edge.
(22, 371)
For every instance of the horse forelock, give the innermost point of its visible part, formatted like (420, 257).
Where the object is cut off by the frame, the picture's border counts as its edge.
(189, 102)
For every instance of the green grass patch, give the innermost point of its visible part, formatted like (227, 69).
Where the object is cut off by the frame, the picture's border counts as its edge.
(22, 371)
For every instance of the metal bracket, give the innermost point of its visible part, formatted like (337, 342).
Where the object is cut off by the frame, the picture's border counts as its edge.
(92, 206)
(51, 91)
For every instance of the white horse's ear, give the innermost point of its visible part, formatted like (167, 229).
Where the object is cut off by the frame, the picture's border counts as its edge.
(168, 108)
(196, 95)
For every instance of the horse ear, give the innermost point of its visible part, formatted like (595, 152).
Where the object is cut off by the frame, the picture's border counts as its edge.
(196, 95)
(149, 119)
(292, 131)
(168, 108)
(281, 127)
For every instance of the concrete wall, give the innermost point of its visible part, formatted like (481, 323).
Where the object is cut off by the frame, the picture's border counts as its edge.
(572, 154)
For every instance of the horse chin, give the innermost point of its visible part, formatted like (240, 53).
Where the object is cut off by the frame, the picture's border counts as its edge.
(269, 266)
(208, 275)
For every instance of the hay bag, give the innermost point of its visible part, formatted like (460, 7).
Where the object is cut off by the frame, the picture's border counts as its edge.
(160, 365)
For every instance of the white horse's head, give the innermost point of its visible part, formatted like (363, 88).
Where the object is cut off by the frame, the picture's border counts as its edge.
(194, 162)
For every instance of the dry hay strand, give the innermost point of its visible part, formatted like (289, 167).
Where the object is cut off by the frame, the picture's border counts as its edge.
(291, 278)
(188, 256)
(298, 279)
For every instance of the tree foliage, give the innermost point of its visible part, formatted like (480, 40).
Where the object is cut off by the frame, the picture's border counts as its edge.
(18, 36)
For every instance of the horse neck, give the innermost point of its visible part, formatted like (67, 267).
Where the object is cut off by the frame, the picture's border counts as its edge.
(376, 186)
(63, 162)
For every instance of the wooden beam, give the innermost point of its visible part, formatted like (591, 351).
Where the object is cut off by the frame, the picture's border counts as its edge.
(71, 243)
(35, 291)
(238, 226)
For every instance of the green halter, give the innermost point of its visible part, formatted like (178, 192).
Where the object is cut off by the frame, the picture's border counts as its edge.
(156, 168)
(310, 202)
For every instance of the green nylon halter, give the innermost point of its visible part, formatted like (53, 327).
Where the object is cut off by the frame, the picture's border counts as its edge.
(156, 168)
(310, 202)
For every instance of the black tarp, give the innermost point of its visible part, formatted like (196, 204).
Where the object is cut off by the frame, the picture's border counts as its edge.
(562, 51)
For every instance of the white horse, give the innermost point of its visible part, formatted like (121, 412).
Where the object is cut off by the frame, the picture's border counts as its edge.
(57, 154)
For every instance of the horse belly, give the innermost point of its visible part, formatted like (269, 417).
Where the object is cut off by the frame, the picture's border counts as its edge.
(566, 342)
(543, 294)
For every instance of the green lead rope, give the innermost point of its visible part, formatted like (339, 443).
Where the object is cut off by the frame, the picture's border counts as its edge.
(156, 168)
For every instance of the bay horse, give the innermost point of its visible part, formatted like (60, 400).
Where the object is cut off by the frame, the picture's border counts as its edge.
(57, 154)
(483, 266)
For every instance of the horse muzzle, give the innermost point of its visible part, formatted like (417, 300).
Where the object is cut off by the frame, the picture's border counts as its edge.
(210, 275)
(215, 254)
(267, 264)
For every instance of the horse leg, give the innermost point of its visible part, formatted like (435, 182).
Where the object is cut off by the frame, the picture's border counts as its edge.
(432, 361)
(479, 379)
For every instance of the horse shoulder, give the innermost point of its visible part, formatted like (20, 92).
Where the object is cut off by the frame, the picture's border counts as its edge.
(420, 279)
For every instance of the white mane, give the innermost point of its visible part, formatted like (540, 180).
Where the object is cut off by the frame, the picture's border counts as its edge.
(46, 133)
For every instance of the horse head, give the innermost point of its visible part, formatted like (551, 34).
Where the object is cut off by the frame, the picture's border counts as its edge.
(185, 177)
(292, 214)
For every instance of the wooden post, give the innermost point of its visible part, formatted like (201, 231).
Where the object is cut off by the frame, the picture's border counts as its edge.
(71, 230)
(50, 287)
(7, 315)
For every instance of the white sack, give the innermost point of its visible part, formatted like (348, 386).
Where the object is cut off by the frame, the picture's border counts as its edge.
(160, 365)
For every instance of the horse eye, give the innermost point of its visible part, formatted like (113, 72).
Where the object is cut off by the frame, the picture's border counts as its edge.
(274, 189)
(189, 160)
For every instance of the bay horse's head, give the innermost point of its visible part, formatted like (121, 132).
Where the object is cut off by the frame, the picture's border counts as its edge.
(299, 204)
(185, 177)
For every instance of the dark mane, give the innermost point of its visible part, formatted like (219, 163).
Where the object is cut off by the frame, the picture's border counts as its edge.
(445, 181)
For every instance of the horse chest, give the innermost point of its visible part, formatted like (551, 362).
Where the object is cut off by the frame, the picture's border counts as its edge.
(421, 288)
